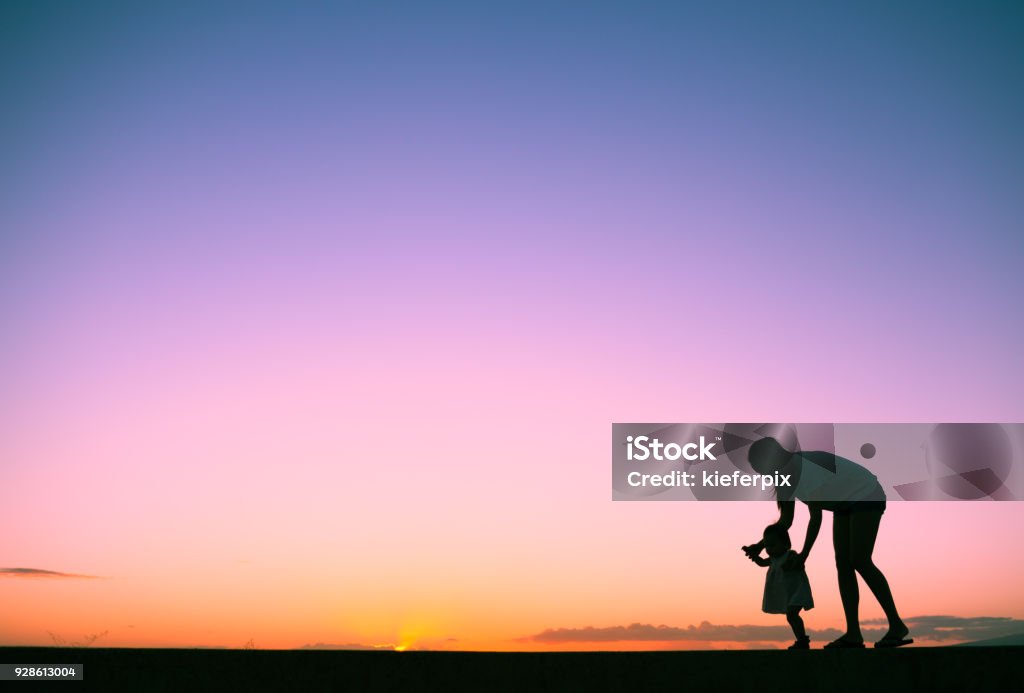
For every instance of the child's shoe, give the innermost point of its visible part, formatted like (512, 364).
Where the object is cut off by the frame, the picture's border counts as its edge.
(803, 643)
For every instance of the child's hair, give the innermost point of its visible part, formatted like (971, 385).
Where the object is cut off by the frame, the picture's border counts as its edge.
(779, 533)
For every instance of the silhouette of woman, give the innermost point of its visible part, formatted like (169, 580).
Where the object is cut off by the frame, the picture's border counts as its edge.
(824, 481)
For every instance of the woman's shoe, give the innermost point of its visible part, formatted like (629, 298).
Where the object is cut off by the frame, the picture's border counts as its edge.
(803, 643)
(897, 637)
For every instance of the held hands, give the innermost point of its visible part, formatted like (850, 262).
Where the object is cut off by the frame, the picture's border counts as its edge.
(795, 561)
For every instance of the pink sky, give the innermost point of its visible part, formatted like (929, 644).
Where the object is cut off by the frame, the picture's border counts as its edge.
(408, 487)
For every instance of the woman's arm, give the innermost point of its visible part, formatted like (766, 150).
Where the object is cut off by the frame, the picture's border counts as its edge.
(786, 514)
(813, 525)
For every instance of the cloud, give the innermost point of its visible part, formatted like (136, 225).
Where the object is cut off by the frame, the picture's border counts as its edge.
(640, 632)
(937, 628)
(346, 646)
(39, 573)
(960, 627)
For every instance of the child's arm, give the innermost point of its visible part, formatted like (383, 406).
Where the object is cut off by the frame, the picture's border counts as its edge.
(754, 553)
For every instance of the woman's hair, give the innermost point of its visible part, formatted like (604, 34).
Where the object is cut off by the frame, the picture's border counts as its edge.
(767, 456)
(779, 533)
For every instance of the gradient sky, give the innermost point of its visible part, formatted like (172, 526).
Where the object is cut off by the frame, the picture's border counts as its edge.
(314, 317)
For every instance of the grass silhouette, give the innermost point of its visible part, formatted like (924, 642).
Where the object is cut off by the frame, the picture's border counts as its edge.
(86, 641)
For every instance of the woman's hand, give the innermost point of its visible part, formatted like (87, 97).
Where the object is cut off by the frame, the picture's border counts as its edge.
(753, 550)
(795, 561)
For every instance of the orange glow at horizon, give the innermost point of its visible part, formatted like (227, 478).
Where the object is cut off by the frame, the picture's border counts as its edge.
(679, 575)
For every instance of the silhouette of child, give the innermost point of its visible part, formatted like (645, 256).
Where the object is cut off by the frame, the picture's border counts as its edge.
(786, 588)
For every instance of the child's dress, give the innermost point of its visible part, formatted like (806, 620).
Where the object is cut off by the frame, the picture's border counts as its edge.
(785, 588)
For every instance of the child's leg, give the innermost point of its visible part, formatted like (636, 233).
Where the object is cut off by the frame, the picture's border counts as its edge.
(795, 622)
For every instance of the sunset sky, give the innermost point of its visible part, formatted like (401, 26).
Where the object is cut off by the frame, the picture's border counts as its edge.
(314, 317)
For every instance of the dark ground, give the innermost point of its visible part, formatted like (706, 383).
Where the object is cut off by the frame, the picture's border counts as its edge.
(861, 671)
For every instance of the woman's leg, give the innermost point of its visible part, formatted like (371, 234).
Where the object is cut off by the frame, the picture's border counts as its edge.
(848, 590)
(863, 531)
